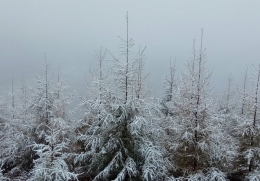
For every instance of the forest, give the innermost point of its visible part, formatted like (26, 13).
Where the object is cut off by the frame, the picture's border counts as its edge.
(122, 133)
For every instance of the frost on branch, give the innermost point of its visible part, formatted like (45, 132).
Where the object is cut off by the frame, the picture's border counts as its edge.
(253, 176)
(51, 162)
(120, 145)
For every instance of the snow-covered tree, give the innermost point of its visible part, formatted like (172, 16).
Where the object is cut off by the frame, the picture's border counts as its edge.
(62, 99)
(15, 157)
(193, 114)
(170, 83)
(119, 143)
(129, 76)
(226, 102)
(48, 100)
(171, 88)
(43, 96)
(141, 90)
(227, 109)
(249, 131)
(51, 162)
(195, 134)
(48, 130)
(95, 107)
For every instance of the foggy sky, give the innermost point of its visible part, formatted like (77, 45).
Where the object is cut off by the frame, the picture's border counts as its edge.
(71, 31)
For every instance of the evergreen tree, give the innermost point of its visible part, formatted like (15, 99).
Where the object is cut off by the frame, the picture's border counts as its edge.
(194, 131)
(15, 156)
(50, 130)
(118, 143)
(249, 131)
(51, 162)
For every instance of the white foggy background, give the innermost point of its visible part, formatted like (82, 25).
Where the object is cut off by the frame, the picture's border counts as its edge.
(71, 31)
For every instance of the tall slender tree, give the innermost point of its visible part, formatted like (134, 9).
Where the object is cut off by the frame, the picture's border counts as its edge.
(50, 130)
(244, 94)
(118, 144)
(195, 132)
(170, 83)
(250, 134)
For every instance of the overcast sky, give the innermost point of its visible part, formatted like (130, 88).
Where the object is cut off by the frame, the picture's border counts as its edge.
(71, 31)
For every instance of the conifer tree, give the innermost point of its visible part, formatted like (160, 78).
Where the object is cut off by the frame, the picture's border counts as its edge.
(50, 131)
(249, 130)
(196, 138)
(51, 162)
(118, 144)
(14, 135)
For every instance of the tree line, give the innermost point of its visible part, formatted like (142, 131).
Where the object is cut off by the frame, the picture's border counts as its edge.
(126, 134)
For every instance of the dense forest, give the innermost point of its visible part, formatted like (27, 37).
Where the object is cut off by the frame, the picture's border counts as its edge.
(123, 133)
